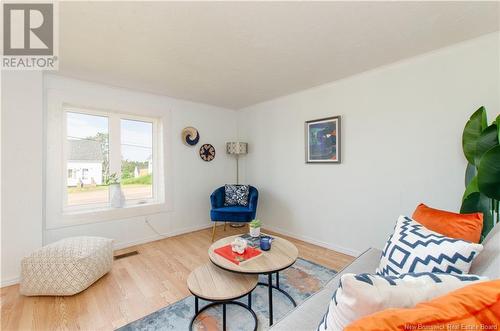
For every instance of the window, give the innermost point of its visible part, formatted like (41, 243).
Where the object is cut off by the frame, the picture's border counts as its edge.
(103, 145)
(137, 159)
(87, 149)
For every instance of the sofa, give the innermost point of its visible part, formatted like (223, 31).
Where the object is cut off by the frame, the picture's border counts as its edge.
(308, 315)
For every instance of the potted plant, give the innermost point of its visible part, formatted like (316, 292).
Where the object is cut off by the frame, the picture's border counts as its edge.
(255, 228)
(481, 146)
(116, 197)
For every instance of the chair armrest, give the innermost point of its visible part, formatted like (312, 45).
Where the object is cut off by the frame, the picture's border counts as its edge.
(253, 199)
(217, 197)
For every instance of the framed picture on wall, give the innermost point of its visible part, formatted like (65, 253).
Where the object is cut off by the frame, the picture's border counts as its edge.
(322, 139)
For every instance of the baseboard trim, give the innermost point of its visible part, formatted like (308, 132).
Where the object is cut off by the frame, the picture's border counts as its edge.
(313, 241)
(161, 236)
(9, 282)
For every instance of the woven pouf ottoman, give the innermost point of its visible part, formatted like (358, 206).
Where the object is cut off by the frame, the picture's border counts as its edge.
(66, 267)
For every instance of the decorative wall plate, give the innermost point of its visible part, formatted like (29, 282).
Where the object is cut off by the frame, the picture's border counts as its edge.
(190, 136)
(207, 152)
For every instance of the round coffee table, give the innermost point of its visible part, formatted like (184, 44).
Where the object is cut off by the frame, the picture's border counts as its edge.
(213, 284)
(281, 256)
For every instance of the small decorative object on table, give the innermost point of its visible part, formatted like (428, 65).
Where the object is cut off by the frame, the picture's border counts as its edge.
(239, 245)
(255, 228)
(116, 196)
(228, 253)
(265, 243)
(254, 241)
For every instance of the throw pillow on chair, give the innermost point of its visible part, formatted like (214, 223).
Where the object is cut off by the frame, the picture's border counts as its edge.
(236, 195)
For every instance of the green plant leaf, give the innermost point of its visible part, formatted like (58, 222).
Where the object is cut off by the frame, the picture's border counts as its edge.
(255, 223)
(471, 188)
(477, 202)
(487, 140)
(498, 126)
(488, 174)
(472, 130)
(470, 173)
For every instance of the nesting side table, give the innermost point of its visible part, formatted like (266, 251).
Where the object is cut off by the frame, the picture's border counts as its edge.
(282, 255)
(221, 287)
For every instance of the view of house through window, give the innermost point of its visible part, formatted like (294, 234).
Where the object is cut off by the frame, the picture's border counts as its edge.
(87, 159)
(93, 159)
(136, 159)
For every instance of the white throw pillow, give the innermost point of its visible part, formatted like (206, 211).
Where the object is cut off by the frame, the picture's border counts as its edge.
(364, 294)
(414, 248)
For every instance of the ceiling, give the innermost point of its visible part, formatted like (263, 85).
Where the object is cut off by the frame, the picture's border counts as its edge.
(236, 54)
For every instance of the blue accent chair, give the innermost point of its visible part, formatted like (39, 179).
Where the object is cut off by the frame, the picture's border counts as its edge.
(234, 214)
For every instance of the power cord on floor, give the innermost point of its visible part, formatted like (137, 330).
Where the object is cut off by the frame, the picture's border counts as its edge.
(152, 227)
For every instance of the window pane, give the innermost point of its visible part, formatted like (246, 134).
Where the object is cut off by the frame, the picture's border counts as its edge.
(87, 159)
(137, 159)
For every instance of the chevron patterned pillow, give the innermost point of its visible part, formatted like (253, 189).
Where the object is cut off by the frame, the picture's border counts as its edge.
(364, 294)
(414, 248)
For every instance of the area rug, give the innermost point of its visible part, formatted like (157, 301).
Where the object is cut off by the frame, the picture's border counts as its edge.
(301, 280)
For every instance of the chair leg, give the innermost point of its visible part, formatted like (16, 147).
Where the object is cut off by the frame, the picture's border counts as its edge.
(225, 223)
(213, 231)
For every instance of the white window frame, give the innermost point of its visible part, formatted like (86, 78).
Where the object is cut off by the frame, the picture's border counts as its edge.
(114, 134)
(57, 213)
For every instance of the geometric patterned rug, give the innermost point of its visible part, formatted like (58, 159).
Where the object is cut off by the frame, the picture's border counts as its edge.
(301, 280)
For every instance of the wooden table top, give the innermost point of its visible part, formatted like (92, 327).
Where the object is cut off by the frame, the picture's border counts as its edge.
(281, 255)
(213, 283)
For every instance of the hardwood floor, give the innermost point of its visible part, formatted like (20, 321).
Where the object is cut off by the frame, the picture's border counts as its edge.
(138, 285)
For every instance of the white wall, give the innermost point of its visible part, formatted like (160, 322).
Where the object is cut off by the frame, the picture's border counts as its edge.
(401, 145)
(22, 168)
(190, 180)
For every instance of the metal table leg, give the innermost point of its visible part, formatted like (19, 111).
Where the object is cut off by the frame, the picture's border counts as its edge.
(270, 286)
(270, 294)
(224, 317)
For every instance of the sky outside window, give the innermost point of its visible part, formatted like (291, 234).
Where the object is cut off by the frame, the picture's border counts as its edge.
(136, 139)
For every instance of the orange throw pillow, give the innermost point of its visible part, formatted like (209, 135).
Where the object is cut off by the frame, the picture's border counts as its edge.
(459, 226)
(474, 307)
